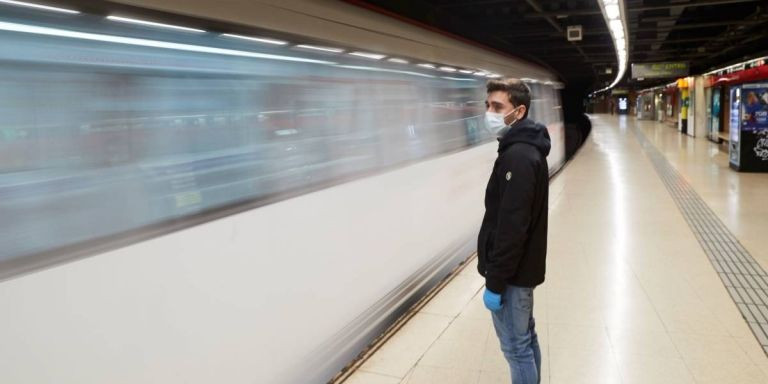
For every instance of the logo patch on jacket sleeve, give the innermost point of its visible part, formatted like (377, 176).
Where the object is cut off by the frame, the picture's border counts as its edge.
(509, 175)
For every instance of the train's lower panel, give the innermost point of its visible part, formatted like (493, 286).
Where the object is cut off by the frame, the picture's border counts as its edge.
(287, 293)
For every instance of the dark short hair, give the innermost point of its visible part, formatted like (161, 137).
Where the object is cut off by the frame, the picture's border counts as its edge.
(518, 92)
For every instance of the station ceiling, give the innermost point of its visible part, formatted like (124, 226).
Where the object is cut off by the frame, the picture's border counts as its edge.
(705, 33)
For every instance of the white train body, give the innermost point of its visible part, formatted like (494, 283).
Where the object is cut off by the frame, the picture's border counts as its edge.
(190, 208)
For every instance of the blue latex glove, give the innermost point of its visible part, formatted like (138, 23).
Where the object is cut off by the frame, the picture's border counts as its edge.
(492, 300)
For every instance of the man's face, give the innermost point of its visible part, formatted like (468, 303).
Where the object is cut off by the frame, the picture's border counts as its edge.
(498, 102)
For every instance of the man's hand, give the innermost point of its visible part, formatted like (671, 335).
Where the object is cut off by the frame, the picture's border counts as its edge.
(492, 300)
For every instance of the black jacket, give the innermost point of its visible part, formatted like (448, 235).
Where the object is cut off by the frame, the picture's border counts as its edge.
(512, 246)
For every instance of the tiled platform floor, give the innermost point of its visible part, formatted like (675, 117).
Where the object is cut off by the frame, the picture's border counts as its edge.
(630, 296)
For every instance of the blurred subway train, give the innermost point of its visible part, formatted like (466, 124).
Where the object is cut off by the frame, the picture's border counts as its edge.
(245, 193)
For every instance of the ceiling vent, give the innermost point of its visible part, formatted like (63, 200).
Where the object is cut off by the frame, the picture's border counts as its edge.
(574, 33)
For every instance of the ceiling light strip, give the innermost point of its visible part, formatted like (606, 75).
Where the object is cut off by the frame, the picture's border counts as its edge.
(614, 12)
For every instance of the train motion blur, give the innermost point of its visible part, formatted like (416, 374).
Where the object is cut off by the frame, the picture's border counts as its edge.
(128, 143)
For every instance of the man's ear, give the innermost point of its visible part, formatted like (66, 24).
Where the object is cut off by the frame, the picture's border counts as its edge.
(522, 112)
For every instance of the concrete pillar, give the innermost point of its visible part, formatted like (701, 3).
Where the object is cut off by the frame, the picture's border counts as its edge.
(700, 108)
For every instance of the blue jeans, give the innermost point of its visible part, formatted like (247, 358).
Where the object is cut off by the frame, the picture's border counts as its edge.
(515, 328)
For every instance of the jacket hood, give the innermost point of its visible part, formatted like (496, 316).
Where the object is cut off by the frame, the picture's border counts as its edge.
(527, 131)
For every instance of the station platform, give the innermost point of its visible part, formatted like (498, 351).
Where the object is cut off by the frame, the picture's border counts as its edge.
(655, 274)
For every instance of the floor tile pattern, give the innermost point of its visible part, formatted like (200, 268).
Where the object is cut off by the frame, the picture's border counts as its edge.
(630, 295)
(742, 275)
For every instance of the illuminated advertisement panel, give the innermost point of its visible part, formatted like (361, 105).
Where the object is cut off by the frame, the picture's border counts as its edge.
(749, 122)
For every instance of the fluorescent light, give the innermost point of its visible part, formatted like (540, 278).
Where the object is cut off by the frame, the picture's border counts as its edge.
(467, 71)
(374, 69)
(45, 31)
(256, 39)
(616, 22)
(481, 74)
(153, 24)
(396, 60)
(492, 75)
(426, 65)
(319, 48)
(448, 69)
(38, 6)
(457, 78)
(367, 55)
(617, 27)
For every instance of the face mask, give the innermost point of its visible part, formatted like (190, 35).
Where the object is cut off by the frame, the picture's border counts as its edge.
(495, 121)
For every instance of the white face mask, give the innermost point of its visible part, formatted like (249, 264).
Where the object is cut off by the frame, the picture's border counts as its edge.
(495, 121)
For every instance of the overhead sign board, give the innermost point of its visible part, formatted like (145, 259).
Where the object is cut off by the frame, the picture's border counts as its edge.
(670, 69)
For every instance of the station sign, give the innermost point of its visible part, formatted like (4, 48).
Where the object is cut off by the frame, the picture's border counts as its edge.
(661, 70)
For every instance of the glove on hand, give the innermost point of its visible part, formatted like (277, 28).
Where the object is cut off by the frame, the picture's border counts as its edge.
(492, 300)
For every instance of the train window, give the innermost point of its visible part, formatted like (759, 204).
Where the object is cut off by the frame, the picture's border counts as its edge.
(143, 136)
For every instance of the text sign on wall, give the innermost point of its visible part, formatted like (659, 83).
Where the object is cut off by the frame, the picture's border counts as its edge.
(659, 70)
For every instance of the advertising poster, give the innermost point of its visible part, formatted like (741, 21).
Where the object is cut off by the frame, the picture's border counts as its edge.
(754, 126)
(755, 109)
(749, 114)
(715, 127)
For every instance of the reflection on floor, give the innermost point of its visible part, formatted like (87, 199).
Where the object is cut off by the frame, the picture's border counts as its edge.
(630, 296)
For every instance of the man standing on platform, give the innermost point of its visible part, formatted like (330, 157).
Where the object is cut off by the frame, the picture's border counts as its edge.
(512, 246)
